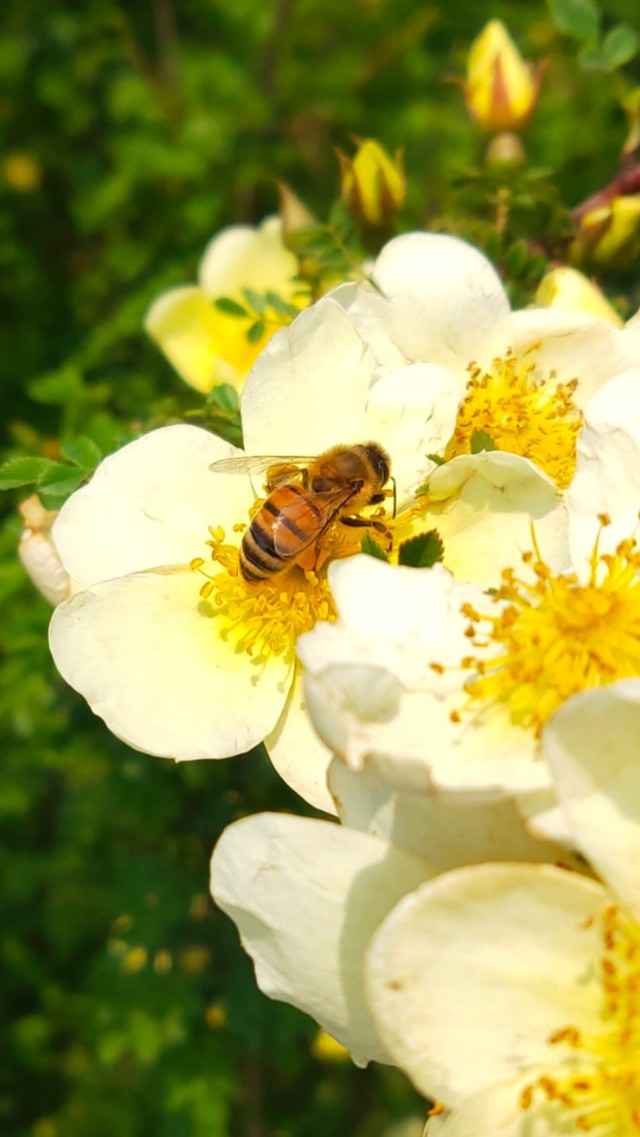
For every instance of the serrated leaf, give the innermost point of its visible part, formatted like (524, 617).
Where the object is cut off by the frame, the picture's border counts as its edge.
(83, 452)
(371, 547)
(620, 45)
(422, 551)
(255, 300)
(255, 332)
(480, 441)
(579, 19)
(230, 307)
(22, 471)
(60, 480)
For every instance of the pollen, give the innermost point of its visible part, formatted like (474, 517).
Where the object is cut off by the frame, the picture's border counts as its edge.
(522, 412)
(595, 1086)
(555, 636)
(261, 619)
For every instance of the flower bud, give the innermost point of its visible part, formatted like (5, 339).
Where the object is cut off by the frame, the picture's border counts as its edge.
(38, 553)
(570, 290)
(501, 90)
(373, 185)
(609, 234)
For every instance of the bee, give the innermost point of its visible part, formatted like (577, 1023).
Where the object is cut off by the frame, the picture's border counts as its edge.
(305, 498)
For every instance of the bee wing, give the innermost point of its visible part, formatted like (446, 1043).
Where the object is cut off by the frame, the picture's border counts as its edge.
(306, 517)
(257, 463)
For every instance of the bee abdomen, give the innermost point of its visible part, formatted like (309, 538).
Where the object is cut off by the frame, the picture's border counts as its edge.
(258, 557)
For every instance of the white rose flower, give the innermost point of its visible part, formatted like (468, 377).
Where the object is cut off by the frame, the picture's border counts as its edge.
(511, 992)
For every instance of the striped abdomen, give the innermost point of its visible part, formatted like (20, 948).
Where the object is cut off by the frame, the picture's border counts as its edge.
(290, 520)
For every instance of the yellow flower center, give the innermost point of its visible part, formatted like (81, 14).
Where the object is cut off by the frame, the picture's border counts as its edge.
(523, 413)
(597, 1090)
(265, 618)
(557, 636)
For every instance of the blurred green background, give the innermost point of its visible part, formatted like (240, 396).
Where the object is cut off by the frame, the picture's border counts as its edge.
(130, 134)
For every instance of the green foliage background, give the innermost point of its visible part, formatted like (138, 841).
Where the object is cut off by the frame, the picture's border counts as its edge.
(128, 1008)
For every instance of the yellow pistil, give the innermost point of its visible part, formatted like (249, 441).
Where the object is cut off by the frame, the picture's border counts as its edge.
(265, 618)
(597, 1091)
(521, 412)
(557, 636)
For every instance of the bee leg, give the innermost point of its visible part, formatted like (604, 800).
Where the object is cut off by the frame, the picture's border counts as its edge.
(364, 522)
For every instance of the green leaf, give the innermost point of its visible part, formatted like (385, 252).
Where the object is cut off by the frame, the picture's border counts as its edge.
(372, 548)
(22, 471)
(579, 19)
(223, 397)
(82, 452)
(480, 441)
(437, 459)
(422, 551)
(255, 300)
(222, 407)
(620, 45)
(230, 307)
(280, 307)
(59, 481)
(255, 332)
(58, 388)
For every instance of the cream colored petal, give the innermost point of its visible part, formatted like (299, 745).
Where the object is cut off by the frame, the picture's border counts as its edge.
(492, 505)
(146, 653)
(607, 477)
(574, 346)
(307, 896)
(243, 257)
(150, 504)
(470, 975)
(496, 1112)
(446, 302)
(592, 744)
(413, 413)
(371, 687)
(446, 831)
(182, 322)
(308, 390)
(297, 753)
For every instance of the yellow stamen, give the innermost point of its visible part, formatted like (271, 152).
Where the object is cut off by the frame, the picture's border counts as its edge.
(557, 636)
(523, 413)
(596, 1089)
(266, 618)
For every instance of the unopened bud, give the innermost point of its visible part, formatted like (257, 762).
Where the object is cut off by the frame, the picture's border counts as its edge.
(373, 185)
(501, 90)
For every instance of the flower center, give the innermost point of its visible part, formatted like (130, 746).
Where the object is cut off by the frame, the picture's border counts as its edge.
(598, 1088)
(265, 618)
(523, 413)
(557, 636)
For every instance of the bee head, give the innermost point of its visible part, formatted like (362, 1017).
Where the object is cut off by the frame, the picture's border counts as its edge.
(379, 461)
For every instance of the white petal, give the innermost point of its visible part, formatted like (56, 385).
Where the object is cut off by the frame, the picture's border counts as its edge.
(574, 346)
(308, 389)
(592, 744)
(371, 687)
(446, 831)
(414, 412)
(446, 302)
(297, 753)
(146, 654)
(307, 896)
(490, 502)
(471, 974)
(496, 1112)
(243, 257)
(607, 477)
(149, 505)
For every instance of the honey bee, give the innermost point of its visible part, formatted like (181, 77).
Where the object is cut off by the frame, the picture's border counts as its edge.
(305, 498)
